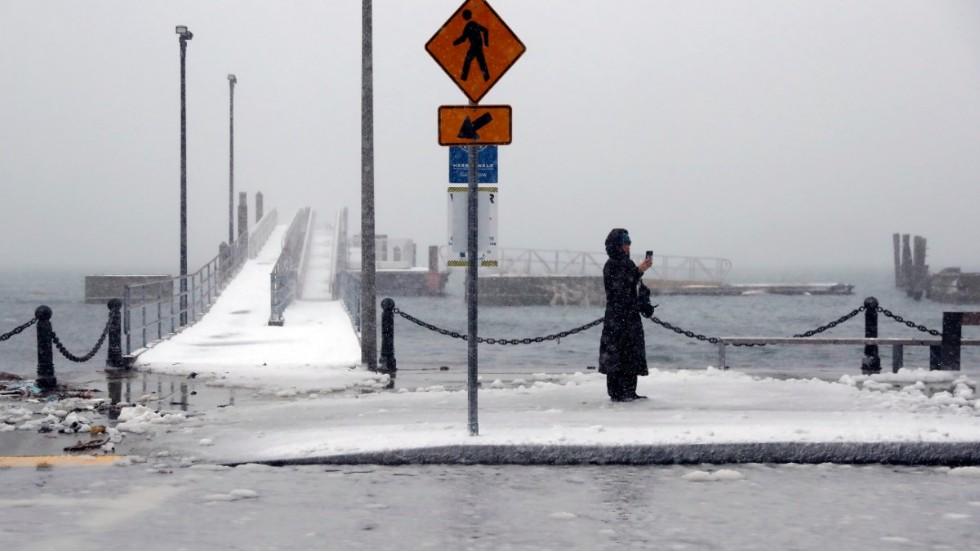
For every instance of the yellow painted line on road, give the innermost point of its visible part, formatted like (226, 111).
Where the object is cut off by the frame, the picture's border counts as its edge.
(41, 461)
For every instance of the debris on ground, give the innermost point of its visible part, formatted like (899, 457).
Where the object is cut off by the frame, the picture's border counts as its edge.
(85, 446)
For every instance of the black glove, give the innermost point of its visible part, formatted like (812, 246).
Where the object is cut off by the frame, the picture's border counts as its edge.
(643, 301)
(646, 310)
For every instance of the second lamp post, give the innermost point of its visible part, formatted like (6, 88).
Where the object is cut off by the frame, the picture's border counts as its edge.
(184, 35)
(232, 81)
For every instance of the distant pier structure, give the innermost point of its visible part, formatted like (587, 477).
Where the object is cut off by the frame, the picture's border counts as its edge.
(949, 285)
(911, 270)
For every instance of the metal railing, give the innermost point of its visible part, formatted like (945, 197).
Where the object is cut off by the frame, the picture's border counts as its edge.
(285, 274)
(151, 311)
(338, 260)
(578, 263)
(349, 289)
(261, 233)
(304, 258)
(898, 345)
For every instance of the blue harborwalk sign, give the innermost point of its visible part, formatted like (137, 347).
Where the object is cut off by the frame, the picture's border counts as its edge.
(486, 164)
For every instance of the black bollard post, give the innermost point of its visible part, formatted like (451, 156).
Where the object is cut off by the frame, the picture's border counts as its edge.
(386, 362)
(871, 363)
(114, 358)
(949, 350)
(45, 356)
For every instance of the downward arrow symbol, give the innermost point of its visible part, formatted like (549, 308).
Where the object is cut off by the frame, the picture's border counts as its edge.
(469, 129)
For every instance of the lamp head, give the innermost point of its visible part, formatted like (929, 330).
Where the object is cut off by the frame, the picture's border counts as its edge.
(184, 33)
(232, 79)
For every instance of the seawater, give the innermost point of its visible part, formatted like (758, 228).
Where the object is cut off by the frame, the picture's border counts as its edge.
(427, 357)
(758, 315)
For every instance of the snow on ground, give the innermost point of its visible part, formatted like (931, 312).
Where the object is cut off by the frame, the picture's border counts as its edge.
(317, 351)
(684, 407)
(233, 345)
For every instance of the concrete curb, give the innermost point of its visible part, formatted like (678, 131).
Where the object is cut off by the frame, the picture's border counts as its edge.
(890, 453)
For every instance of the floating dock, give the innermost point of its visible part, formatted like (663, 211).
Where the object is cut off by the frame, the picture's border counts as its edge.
(952, 286)
(804, 289)
(532, 290)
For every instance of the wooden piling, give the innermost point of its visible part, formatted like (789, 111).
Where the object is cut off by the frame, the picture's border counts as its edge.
(906, 262)
(919, 275)
(897, 247)
(242, 213)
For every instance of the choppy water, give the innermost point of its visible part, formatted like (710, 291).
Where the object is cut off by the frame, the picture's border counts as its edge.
(421, 353)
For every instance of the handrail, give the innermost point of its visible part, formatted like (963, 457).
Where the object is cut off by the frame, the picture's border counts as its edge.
(304, 258)
(155, 303)
(349, 288)
(158, 301)
(897, 344)
(284, 275)
(263, 229)
(338, 262)
(872, 341)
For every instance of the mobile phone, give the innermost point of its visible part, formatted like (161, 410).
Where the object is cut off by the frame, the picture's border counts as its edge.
(649, 255)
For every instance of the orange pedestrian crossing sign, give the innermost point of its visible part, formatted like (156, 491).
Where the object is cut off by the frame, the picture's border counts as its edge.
(474, 125)
(475, 48)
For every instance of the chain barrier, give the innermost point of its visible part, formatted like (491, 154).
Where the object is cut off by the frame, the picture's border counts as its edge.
(666, 325)
(17, 330)
(692, 334)
(81, 359)
(555, 337)
(908, 323)
(832, 324)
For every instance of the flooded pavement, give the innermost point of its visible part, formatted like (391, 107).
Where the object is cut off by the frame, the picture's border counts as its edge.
(161, 505)
(80, 414)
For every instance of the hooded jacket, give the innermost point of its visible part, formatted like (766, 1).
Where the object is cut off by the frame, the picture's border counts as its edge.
(622, 349)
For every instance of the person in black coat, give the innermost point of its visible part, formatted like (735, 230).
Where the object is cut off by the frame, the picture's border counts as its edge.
(622, 350)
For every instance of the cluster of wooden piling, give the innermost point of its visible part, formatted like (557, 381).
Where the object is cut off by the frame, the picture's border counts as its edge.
(911, 270)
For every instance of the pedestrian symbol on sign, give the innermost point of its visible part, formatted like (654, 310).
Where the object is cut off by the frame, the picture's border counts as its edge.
(478, 37)
(465, 38)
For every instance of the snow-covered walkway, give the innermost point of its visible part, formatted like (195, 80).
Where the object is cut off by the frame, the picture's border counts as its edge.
(233, 345)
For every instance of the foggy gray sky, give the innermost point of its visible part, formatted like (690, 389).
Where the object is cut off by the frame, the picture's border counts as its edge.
(770, 132)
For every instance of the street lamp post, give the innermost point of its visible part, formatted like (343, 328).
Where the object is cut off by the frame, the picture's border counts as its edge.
(232, 81)
(369, 323)
(185, 35)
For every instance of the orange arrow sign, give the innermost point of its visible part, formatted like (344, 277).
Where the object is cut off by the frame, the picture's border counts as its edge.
(474, 125)
(475, 48)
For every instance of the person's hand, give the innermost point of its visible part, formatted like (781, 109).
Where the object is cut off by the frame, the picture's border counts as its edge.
(645, 265)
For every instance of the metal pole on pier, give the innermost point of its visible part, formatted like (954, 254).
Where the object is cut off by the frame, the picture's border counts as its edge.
(185, 35)
(369, 331)
(472, 299)
(232, 81)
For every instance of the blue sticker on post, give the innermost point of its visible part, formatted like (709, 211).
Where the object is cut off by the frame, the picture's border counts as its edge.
(486, 164)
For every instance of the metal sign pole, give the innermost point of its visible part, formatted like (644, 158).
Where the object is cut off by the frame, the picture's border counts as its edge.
(474, 126)
(471, 293)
